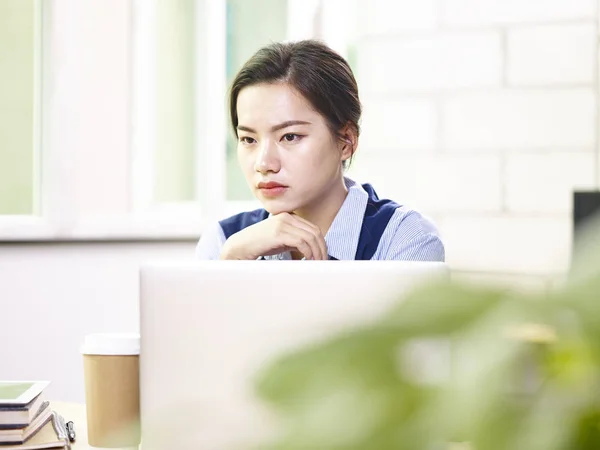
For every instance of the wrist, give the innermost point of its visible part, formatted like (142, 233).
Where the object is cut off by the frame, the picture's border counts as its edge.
(231, 251)
(227, 252)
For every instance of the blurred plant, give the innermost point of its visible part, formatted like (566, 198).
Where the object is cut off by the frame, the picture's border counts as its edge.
(504, 370)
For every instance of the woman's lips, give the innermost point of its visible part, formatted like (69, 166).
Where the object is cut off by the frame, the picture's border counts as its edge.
(271, 189)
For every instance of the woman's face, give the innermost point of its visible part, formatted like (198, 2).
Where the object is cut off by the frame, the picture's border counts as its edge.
(288, 155)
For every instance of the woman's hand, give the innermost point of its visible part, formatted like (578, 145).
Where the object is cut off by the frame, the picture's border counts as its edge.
(276, 234)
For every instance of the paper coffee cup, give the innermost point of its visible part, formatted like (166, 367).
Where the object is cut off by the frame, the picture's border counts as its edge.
(112, 392)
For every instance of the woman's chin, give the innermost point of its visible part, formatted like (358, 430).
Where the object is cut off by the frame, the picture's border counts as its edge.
(275, 207)
(274, 211)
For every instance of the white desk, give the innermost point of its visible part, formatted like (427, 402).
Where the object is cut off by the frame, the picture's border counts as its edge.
(76, 413)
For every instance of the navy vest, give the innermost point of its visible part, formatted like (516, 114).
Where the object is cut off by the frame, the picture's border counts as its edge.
(377, 216)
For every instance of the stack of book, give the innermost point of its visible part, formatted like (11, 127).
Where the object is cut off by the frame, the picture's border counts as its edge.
(27, 421)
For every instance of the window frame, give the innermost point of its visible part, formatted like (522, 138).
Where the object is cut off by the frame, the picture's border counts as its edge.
(57, 215)
(10, 223)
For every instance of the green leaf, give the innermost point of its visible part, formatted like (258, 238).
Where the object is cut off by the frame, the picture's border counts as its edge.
(363, 357)
(441, 309)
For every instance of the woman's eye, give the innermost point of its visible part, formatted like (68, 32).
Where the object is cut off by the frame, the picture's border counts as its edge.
(247, 140)
(291, 137)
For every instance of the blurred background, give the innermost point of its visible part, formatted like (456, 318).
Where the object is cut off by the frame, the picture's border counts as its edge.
(115, 144)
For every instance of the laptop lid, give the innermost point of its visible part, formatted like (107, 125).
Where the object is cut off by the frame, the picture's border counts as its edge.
(207, 328)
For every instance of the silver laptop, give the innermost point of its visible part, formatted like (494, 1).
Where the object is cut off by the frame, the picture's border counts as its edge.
(208, 328)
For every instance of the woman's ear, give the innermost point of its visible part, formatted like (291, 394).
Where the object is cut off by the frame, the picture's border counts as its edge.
(349, 137)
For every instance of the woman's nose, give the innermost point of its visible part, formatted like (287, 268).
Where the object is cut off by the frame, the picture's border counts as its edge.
(267, 159)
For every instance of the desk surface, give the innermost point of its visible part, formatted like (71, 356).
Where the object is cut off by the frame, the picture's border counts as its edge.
(76, 413)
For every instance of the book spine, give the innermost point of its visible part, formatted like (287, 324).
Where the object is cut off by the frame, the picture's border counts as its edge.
(5, 407)
(13, 426)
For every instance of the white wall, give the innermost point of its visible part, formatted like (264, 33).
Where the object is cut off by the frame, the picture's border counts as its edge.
(483, 114)
(53, 294)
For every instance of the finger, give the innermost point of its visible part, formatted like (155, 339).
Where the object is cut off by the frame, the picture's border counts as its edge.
(295, 239)
(312, 240)
(313, 229)
(296, 222)
(322, 245)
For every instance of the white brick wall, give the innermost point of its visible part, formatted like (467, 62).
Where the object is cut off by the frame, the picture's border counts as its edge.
(449, 60)
(519, 119)
(467, 13)
(436, 183)
(484, 115)
(552, 54)
(404, 124)
(508, 244)
(544, 182)
(386, 17)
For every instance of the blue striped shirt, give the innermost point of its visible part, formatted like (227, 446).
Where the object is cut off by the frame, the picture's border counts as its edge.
(408, 236)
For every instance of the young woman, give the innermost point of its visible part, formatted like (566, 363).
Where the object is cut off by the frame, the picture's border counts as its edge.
(295, 111)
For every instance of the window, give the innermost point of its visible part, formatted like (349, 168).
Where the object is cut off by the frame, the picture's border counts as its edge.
(113, 120)
(19, 89)
(163, 86)
(178, 82)
(250, 26)
(174, 152)
(116, 105)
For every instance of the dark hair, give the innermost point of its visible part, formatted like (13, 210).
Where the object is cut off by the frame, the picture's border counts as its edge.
(320, 74)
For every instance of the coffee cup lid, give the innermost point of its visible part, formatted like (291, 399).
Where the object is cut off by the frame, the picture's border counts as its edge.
(111, 344)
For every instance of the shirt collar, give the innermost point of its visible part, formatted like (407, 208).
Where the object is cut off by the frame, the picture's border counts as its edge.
(344, 232)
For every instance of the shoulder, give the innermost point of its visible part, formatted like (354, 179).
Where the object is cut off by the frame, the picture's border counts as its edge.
(405, 233)
(413, 236)
(411, 223)
(210, 243)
